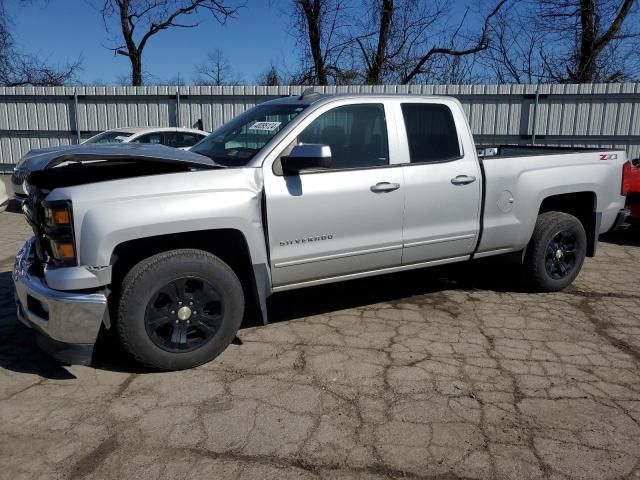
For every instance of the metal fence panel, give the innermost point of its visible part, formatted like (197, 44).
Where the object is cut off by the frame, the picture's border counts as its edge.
(599, 115)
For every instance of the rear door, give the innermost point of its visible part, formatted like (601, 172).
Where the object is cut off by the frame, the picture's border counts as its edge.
(442, 184)
(344, 220)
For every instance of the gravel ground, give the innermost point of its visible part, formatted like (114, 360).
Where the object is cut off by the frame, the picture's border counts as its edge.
(437, 374)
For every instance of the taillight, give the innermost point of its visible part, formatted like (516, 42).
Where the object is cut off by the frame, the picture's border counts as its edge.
(626, 179)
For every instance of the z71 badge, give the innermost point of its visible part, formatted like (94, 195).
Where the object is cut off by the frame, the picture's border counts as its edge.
(608, 156)
(298, 241)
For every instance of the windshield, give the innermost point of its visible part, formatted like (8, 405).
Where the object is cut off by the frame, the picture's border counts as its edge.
(109, 137)
(238, 141)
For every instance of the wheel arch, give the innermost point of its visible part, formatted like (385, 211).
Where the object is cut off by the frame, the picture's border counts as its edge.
(583, 206)
(230, 245)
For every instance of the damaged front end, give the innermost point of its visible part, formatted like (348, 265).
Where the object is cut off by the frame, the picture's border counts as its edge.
(52, 221)
(83, 164)
(66, 323)
(63, 301)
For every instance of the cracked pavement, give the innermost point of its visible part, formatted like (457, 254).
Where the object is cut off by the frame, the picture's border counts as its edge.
(449, 373)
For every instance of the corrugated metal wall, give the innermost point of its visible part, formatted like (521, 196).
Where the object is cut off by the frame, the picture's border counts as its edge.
(598, 115)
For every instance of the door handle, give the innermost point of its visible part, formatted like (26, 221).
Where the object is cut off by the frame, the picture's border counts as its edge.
(384, 187)
(463, 179)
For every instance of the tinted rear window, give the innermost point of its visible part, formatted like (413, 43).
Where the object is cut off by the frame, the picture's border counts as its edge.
(431, 132)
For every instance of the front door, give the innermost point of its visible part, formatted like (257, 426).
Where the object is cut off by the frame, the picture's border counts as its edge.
(342, 220)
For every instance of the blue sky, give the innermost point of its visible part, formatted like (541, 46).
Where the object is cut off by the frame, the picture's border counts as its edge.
(61, 30)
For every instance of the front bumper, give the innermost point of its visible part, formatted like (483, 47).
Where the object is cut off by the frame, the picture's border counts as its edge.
(67, 322)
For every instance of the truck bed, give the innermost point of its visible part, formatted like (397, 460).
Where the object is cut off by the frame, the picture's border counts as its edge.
(487, 152)
(517, 179)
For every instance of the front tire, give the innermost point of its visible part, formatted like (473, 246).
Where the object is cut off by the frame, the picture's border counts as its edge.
(556, 251)
(179, 309)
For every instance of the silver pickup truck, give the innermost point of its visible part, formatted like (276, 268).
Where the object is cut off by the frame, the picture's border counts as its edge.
(169, 247)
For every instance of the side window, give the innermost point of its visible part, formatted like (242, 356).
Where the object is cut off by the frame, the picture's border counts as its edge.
(431, 132)
(170, 139)
(155, 138)
(185, 139)
(357, 135)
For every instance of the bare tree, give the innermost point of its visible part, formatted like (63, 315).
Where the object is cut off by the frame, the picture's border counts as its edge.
(216, 70)
(405, 40)
(513, 55)
(321, 30)
(387, 37)
(270, 77)
(566, 41)
(376, 59)
(480, 43)
(598, 24)
(139, 20)
(19, 69)
(175, 81)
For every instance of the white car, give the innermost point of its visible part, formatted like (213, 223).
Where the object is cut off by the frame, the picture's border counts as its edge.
(4, 198)
(182, 138)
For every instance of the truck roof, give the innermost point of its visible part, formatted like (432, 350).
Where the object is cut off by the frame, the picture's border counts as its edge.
(133, 130)
(309, 98)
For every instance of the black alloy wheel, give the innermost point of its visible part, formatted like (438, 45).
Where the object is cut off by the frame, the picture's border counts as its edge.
(179, 309)
(184, 314)
(556, 251)
(560, 258)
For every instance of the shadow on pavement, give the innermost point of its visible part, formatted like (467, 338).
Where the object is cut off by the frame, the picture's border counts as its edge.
(499, 274)
(108, 354)
(18, 351)
(629, 237)
(15, 206)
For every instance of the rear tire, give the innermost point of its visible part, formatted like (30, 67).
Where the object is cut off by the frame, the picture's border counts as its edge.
(556, 251)
(179, 309)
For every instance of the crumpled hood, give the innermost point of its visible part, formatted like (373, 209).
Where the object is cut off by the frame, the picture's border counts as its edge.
(43, 158)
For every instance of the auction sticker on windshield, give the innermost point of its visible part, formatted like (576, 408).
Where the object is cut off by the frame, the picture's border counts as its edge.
(265, 126)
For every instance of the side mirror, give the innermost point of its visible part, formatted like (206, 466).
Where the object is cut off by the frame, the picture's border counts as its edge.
(304, 157)
(636, 162)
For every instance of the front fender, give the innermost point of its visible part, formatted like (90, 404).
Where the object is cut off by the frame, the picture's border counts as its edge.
(107, 214)
(133, 220)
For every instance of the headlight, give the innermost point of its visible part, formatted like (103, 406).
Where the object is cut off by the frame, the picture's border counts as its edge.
(62, 251)
(58, 232)
(57, 216)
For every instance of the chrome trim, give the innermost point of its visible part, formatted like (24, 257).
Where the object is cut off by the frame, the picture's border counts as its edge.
(497, 251)
(439, 240)
(337, 255)
(369, 273)
(72, 317)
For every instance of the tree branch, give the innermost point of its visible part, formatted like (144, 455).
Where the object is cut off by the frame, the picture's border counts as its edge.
(481, 44)
(615, 25)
